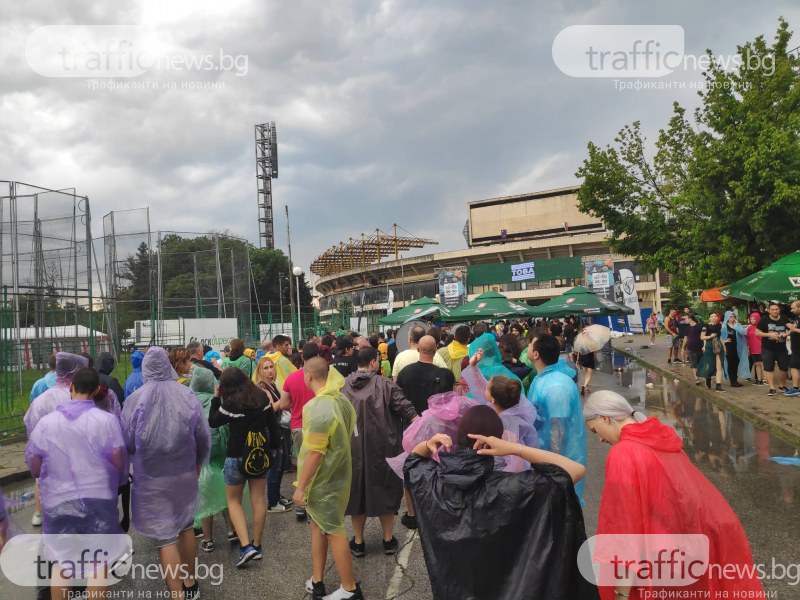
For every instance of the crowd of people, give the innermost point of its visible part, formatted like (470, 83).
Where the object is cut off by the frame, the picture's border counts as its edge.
(761, 349)
(479, 431)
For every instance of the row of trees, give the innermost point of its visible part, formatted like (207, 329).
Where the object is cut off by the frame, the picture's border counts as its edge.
(719, 196)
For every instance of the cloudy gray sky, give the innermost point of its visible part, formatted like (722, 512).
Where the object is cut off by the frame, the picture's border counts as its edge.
(386, 111)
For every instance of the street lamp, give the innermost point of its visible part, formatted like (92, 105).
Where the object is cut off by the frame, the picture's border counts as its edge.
(298, 272)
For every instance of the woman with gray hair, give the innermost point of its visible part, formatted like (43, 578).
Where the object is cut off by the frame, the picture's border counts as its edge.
(652, 488)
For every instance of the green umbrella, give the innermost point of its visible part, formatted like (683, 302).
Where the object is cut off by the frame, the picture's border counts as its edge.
(579, 301)
(416, 310)
(780, 281)
(488, 305)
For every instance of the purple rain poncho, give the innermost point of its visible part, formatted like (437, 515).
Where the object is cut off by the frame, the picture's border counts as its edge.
(443, 415)
(518, 422)
(67, 365)
(79, 455)
(169, 440)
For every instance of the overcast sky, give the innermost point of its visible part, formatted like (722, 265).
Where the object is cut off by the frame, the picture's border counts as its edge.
(386, 111)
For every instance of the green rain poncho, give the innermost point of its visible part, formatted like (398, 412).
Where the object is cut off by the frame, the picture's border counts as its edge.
(328, 423)
(211, 499)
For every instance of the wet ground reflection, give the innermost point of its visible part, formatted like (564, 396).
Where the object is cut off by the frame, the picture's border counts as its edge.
(758, 473)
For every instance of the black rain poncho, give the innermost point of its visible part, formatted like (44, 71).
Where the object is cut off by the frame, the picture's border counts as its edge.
(489, 535)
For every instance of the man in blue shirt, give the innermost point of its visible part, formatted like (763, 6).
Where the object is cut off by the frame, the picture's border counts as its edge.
(46, 382)
(559, 420)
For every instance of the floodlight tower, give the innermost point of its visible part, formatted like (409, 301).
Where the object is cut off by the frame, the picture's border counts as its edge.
(266, 171)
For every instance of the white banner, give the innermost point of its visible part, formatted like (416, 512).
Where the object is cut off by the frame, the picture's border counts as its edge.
(216, 333)
(631, 300)
(390, 303)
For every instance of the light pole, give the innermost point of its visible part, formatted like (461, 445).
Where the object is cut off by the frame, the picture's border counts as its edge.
(298, 272)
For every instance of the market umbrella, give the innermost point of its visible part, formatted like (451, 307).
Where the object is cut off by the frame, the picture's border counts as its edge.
(578, 301)
(416, 310)
(592, 339)
(711, 295)
(486, 306)
(780, 281)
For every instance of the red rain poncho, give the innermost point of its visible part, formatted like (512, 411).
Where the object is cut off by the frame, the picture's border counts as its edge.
(651, 487)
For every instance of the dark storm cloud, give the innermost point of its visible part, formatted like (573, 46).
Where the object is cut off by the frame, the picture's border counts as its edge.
(387, 112)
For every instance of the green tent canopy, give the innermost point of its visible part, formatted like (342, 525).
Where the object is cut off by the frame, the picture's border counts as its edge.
(579, 301)
(416, 310)
(780, 282)
(486, 306)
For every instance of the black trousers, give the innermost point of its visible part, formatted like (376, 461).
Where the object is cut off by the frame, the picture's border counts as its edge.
(732, 356)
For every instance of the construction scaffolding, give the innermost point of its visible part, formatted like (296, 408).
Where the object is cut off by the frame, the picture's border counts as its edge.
(358, 253)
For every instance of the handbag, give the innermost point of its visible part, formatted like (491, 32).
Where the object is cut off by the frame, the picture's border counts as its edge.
(717, 347)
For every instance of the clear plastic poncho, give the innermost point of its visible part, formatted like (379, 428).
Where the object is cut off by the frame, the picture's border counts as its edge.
(211, 482)
(740, 331)
(79, 456)
(559, 419)
(67, 365)
(168, 439)
(329, 421)
(134, 380)
(492, 362)
(518, 422)
(443, 416)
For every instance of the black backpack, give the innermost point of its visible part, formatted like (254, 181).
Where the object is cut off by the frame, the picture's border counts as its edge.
(255, 457)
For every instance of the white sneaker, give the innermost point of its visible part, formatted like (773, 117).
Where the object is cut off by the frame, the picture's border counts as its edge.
(36, 519)
(278, 508)
(343, 594)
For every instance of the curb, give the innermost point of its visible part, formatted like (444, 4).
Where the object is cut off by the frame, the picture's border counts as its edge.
(763, 422)
(15, 477)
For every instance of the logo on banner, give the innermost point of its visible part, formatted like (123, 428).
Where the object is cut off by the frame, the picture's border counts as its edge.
(795, 281)
(523, 272)
(600, 280)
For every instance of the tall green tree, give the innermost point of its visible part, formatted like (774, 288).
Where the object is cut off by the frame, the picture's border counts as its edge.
(719, 197)
(270, 268)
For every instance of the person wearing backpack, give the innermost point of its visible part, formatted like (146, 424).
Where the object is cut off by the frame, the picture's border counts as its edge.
(254, 437)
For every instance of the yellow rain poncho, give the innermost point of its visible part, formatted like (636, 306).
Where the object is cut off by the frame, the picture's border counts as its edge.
(329, 420)
(283, 368)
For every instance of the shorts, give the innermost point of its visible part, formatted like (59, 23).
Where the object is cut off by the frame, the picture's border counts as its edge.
(587, 361)
(694, 358)
(794, 360)
(673, 341)
(163, 543)
(754, 358)
(770, 358)
(232, 472)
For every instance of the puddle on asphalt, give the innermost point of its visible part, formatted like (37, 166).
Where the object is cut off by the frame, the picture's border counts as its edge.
(757, 472)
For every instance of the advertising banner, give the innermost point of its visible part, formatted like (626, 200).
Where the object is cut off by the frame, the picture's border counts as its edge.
(600, 277)
(631, 299)
(452, 286)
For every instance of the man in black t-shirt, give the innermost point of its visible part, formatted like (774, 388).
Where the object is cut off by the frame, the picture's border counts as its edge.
(421, 380)
(794, 341)
(693, 344)
(773, 347)
(344, 361)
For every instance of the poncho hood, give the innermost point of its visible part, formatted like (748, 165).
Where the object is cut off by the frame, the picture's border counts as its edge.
(202, 383)
(74, 409)
(136, 359)
(104, 363)
(465, 468)
(67, 365)
(156, 366)
(652, 433)
(360, 379)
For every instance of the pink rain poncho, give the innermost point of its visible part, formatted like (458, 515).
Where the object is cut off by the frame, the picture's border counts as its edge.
(443, 415)
(79, 455)
(518, 422)
(169, 440)
(67, 365)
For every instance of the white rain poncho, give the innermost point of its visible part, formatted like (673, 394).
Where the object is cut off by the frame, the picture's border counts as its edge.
(169, 440)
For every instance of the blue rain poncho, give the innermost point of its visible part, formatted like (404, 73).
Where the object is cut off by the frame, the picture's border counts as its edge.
(740, 331)
(329, 420)
(134, 381)
(78, 454)
(518, 422)
(492, 363)
(211, 482)
(168, 439)
(67, 365)
(43, 384)
(559, 416)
